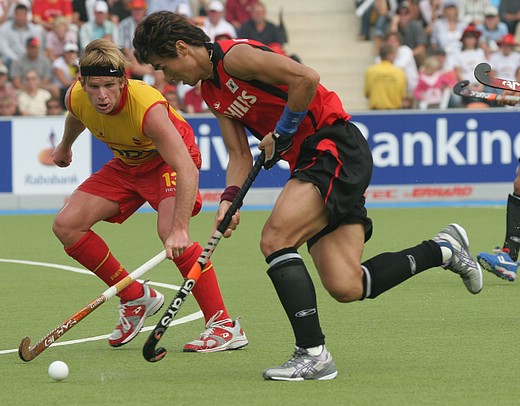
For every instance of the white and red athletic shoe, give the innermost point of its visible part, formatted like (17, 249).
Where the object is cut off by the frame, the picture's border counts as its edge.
(132, 315)
(220, 335)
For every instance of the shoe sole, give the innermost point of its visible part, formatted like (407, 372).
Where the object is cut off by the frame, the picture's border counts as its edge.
(299, 379)
(230, 346)
(154, 310)
(488, 267)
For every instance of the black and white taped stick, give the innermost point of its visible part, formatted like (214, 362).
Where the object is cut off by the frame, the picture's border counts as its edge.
(150, 353)
(28, 353)
(482, 75)
(462, 90)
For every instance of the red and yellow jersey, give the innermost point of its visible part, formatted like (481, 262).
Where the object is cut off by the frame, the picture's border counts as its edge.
(122, 130)
(258, 106)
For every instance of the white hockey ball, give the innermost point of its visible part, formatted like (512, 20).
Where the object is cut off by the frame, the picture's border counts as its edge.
(58, 370)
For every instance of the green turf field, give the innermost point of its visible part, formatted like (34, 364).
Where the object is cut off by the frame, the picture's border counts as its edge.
(426, 342)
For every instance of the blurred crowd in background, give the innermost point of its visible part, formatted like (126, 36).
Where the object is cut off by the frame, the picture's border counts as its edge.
(424, 47)
(41, 41)
(421, 47)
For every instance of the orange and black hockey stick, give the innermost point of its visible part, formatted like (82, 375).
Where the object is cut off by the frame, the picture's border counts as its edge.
(150, 353)
(462, 90)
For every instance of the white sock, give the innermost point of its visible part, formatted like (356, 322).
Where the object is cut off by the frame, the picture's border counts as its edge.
(446, 254)
(315, 351)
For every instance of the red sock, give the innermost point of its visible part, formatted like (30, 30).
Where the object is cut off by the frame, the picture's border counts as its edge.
(206, 290)
(93, 253)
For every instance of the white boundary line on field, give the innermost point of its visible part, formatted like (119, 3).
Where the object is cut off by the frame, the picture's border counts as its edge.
(185, 319)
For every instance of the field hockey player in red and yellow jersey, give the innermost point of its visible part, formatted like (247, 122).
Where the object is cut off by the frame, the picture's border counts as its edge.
(155, 160)
(282, 103)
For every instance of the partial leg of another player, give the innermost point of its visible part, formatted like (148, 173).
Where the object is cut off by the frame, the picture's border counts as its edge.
(502, 262)
(221, 332)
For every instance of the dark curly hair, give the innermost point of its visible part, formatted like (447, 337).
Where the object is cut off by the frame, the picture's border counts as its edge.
(158, 33)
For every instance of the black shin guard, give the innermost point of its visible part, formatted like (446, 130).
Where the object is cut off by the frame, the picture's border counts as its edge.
(296, 292)
(390, 269)
(512, 240)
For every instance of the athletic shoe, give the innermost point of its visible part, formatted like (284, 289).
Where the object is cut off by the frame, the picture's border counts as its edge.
(132, 315)
(220, 335)
(461, 262)
(499, 263)
(304, 366)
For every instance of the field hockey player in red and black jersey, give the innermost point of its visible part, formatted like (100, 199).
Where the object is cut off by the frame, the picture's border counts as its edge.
(282, 103)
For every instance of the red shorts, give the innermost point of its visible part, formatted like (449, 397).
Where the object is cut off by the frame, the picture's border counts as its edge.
(132, 186)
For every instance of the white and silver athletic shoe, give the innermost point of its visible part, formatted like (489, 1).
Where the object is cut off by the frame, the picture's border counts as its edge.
(304, 366)
(461, 262)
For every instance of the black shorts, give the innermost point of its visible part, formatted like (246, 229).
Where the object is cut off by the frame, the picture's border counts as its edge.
(338, 161)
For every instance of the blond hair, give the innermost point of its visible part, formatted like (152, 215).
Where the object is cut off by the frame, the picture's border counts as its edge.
(102, 52)
(431, 65)
(59, 20)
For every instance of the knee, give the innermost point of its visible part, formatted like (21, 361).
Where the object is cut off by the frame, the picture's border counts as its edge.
(62, 228)
(346, 293)
(58, 226)
(271, 241)
(266, 247)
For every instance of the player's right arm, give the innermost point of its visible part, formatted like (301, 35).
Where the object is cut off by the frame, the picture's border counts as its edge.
(62, 154)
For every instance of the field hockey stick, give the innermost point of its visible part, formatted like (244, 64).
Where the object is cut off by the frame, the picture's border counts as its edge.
(482, 74)
(462, 90)
(150, 353)
(28, 353)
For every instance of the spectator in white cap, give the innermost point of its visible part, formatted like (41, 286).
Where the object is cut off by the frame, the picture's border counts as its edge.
(215, 24)
(65, 68)
(492, 30)
(100, 27)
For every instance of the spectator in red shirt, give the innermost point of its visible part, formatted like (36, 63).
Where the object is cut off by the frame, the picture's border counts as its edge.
(239, 11)
(44, 11)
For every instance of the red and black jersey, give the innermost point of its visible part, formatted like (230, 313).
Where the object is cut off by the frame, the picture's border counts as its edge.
(258, 106)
